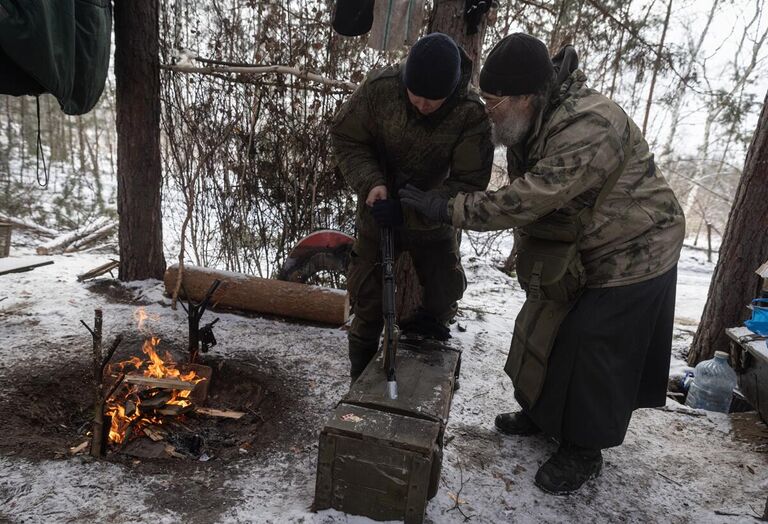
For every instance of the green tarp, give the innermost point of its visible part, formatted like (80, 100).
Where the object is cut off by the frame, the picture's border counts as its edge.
(60, 47)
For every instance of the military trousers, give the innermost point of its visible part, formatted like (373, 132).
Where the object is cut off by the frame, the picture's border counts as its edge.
(611, 356)
(438, 266)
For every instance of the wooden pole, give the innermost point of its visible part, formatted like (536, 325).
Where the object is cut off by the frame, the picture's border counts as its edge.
(97, 440)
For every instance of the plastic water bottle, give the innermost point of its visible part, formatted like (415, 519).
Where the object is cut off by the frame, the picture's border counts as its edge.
(713, 384)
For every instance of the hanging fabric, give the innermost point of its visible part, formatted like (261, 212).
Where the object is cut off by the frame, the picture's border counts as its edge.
(396, 23)
(353, 17)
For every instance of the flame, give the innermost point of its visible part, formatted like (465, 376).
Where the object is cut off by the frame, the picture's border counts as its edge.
(129, 394)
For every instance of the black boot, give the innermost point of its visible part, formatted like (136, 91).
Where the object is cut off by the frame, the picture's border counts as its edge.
(517, 423)
(568, 469)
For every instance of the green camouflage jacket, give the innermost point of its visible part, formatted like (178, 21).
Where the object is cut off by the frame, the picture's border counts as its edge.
(450, 149)
(576, 143)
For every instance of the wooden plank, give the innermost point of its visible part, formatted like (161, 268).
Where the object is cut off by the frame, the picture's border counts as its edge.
(225, 413)
(21, 264)
(758, 348)
(164, 383)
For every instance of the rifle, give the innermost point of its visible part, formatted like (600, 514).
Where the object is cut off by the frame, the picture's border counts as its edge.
(391, 331)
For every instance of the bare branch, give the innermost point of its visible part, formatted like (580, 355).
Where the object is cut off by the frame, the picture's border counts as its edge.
(261, 70)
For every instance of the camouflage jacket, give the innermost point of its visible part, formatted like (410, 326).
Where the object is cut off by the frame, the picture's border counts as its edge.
(379, 138)
(576, 143)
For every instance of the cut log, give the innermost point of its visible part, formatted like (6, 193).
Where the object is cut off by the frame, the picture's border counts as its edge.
(261, 295)
(79, 449)
(225, 413)
(165, 383)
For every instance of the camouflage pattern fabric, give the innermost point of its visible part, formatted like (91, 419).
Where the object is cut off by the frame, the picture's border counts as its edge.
(576, 144)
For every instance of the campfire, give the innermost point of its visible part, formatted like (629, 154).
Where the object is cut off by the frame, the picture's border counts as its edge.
(145, 392)
(142, 402)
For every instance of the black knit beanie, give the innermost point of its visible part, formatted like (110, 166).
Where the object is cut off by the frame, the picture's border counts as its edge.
(518, 65)
(433, 67)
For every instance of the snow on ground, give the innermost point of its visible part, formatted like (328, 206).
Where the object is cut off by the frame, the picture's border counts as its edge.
(676, 465)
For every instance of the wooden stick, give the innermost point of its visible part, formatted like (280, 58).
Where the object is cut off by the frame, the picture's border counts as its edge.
(93, 273)
(211, 412)
(97, 442)
(165, 383)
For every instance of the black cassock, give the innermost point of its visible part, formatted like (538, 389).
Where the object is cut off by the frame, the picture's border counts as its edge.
(611, 356)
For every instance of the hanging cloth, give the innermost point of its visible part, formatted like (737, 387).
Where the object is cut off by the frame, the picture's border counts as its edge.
(396, 23)
(353, 17)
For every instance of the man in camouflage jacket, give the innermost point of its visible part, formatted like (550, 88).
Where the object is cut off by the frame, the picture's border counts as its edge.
(416, 124)
(581, 364)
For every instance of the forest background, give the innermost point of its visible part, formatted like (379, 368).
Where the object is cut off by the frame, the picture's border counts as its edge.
(247, 169)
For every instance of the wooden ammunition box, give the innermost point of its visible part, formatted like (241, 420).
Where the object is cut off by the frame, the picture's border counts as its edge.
(379, 457)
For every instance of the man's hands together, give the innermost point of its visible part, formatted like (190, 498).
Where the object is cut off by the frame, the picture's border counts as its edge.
(389, 213)
(432, 204)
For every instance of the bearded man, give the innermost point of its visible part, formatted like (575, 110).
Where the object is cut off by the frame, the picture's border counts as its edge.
(598, 234)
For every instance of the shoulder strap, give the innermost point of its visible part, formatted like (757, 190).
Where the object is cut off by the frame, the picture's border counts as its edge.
(614, 177)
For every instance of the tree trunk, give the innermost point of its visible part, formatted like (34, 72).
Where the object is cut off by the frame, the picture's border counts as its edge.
(139, 176)
(447, 17)
(734, 282)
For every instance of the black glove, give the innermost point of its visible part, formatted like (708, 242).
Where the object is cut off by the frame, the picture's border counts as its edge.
(388, 213)
(432, 204)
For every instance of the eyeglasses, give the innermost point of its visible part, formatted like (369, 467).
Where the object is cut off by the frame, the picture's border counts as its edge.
(497, 104)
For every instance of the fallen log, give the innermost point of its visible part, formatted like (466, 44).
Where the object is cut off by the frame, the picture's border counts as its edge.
(26, 224)
(262, 295)
(92, 238)
(61, 242)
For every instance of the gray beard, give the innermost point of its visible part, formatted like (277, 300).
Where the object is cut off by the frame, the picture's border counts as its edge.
(511, 131)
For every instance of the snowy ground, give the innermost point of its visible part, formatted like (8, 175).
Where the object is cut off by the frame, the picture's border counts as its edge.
(676, 465)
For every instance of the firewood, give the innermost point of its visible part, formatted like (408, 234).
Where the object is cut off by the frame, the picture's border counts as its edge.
(93, 273)
(211, 412)
(157, 401)
(262, 295)
(79, 448)
(173, 410)
(164, 383)
(155, 435)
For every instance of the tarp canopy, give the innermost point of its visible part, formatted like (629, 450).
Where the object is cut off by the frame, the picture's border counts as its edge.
(60, 47)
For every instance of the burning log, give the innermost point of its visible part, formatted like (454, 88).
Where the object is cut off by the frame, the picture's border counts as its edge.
(165, 383)
(275, 297)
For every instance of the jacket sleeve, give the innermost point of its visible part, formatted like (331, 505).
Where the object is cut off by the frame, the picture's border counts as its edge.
(578, 157)
(472, 158)
(353, 139)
